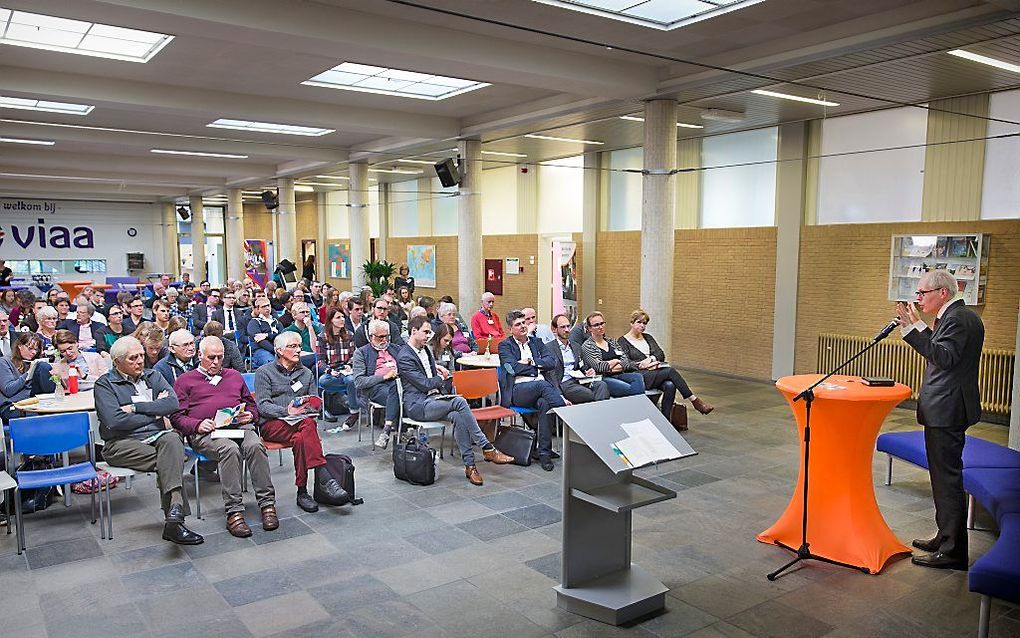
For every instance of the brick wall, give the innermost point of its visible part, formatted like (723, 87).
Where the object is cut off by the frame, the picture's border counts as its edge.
(617, 268)
(844, 275)
(520, 290)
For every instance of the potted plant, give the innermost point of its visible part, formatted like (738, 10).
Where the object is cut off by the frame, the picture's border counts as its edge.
(378, 274)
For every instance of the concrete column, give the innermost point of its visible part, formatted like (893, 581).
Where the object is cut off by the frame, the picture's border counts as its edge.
(358, 198)
(197, 238)
(790, 177)
(385, 196)
(469, 224)
(1014, 414)
(589, 231)
(658, 194)
(321, 248)
(171, 264)
(234, 231)
(287, 224)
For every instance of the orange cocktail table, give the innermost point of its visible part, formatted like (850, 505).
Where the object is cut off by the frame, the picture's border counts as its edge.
(844, 522)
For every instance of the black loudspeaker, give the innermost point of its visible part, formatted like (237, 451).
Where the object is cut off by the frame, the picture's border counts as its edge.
(136, 261)
(270, 199)
(183, 213)
(449, 174)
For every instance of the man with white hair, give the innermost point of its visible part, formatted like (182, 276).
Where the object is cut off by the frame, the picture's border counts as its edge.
(181, 357)
(374, 368)
(205, 391)
(485, 323)
(132, 404)
(304, 326)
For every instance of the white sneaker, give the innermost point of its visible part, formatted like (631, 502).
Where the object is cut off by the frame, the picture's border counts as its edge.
(345, 427)
(383, 440)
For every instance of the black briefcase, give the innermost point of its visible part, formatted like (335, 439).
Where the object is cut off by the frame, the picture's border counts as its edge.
(517, 442)
(414, 462)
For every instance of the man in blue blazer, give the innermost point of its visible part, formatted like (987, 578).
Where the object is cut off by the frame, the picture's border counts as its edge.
(423, 382)
(523, 359)
(948, 403)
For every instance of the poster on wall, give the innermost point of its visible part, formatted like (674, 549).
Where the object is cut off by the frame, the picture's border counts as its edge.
(564, 279)
(256, 261)
(421, 262)
(338, 258)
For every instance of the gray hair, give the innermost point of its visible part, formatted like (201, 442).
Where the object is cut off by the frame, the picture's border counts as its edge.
(417, 310)
(374, 324)
(941, 278)
(284, 338)
(86, 305)
(177, 335)
(46, 312)
(207, 341)
(445, 308)
(298, 305)
(122, 346)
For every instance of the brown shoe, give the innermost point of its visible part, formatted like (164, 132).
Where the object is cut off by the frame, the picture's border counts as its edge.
(270, 520)
(495, 456)
(237, 526)
(701, 406)
(471, 472)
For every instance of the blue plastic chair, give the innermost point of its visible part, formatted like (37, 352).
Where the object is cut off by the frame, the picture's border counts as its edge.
(51, 435)
(249, 380)
(196, 458)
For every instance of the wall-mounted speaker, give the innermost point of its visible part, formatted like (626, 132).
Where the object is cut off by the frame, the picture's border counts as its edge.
(270, 199)
(183, 213)
(448, 173)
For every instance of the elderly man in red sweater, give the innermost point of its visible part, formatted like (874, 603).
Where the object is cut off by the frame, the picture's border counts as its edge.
(202, 392)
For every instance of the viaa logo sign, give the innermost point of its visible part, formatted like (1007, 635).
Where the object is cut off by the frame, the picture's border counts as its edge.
(44, 236)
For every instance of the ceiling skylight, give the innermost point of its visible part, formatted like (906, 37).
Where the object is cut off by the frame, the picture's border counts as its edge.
(164, 151)
(657, 14)
(267, 127)
(28, 104)
(37, 31)
(376, 79)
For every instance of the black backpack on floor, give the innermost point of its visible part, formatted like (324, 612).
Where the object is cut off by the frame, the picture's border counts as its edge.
(341, 468)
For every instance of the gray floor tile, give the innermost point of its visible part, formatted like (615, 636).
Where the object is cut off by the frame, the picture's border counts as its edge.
(291, 527)
(548, 565)
(60, 552)
(162, 580)
(491, 527)
(535, 516)
(439, 541)
(340, 598)
(503, 501)
(217, 544)
(250, 588)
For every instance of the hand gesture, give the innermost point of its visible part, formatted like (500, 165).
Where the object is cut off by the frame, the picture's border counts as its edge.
(392, 374)
(243, 417)
(294, 410)
(906, 314)
(443, 372)
(590, 372)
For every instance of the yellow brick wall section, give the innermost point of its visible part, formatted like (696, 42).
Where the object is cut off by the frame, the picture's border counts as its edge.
(618, 271)
(844, 278)
(520, 290)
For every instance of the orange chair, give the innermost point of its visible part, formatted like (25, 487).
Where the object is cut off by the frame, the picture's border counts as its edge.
(478, 384)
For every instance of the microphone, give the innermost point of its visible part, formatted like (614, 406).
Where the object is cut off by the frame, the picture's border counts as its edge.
(885, 331)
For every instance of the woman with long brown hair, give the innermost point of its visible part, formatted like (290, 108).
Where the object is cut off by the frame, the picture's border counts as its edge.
(334, 348)
(16, 384)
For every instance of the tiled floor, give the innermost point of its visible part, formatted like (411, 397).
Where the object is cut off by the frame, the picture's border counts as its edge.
(456, 560)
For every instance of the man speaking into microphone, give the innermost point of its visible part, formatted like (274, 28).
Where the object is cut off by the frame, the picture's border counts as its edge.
(948, 403)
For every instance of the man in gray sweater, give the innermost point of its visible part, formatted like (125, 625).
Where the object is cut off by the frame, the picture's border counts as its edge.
(132, 404)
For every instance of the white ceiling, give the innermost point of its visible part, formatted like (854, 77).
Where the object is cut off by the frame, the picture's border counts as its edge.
(549, 68)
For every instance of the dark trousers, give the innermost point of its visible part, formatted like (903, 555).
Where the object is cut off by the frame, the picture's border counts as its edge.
(543, 397)
(384, 393)
(165, 457)
(944, 448)
(577, 392)
(669, 381)
(304, 441)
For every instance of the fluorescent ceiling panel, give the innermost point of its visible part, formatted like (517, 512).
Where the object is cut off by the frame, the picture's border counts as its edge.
(502, 154)
(635, 118)
(395, 171)
(657, 14)
(795, 98)
(163, 151)
(350, 76)
(37, 31)
(268, 127)
(561, 139)
(28, 104)
(20, 140)
(984, 59)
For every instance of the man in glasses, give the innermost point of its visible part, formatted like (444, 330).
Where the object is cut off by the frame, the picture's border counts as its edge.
(233, 319)
(374, 368)
(262, 330)
(132, 404)
(202, 311)
(380, 312)
(948, 403)
(306, 329)
(181, 357)
(135, 310)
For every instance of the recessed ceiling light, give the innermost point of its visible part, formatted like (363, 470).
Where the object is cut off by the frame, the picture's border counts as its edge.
(19, 140)
(664, 15)
(301, 188)
(795, 98)
(164, 151)
(561, 139)
(324, 184)
(414, 161)
(385, 81)
(37, 31)
(331, 177)
(268, 127)
(394, 171)
(28, 104)
(502, 154)
(635, 118)
(984, 59)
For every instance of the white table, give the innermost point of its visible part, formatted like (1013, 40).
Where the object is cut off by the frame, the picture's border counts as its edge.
(479, 360)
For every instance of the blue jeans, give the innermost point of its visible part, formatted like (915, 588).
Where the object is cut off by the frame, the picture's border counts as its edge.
(625, 384)
(386, 394)
(260, 357)
(343, 383)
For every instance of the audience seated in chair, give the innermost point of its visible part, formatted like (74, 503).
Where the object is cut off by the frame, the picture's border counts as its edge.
(16, 384)
(374, 367)
(304, 327)
(485, 323)
(180, 359)
(86, 330)
(232, 357)
(335, 351)
(89, 365)
(262, 329)
(380, 312)
(609, 360)
(568, 360)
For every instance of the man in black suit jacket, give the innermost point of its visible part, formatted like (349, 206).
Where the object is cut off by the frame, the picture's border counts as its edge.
(523, 359)
(381, 312)
(949, 402)
(571, 388)
(422, 380)
(234, 320)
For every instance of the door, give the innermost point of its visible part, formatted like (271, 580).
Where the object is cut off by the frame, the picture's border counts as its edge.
(494, 276)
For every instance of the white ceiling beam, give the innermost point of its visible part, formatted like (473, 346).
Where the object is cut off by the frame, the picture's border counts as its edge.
(14, 187)
(196, 169)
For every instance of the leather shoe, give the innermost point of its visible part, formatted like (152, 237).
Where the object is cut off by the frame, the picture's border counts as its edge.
(334, 493)
(939, 560)
(270, 520)
(181, 535)
(175, 514)
(237, 526)
(351, 420)
(329, 418)
(546, 463)
(701, 406)
(930, 545)
(493, 455)
(306, 502)
(471, 472)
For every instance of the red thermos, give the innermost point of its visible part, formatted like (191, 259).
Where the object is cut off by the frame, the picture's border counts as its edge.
(72, 379)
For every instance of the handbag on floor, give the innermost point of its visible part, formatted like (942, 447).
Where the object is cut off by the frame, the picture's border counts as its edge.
(341, 468)
(414, 462)
(678, 417)
(517, 442)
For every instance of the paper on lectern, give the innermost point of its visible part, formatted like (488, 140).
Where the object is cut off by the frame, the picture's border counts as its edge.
(645, 444)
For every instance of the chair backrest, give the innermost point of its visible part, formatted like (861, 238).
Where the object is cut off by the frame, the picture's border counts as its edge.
(50, 434)
(475, 384)
(249, 380)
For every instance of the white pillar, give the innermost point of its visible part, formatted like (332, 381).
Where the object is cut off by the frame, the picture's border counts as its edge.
(287, 224)
(658, 194)
(589, 231)
(1014, 415)
(171, 264)
(469, 224)
(789, 216)
(321, 249)
(233, 243)
(358, 219)
(198, 274)
(385, 195)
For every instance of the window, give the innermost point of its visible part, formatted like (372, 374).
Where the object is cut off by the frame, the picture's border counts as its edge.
(625, 189)
(738, 179)
(1000, 196)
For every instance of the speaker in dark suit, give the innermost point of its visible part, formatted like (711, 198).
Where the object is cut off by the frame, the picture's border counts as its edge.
(948, 403)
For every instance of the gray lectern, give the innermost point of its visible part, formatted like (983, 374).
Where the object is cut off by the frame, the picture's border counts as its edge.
(599, 493)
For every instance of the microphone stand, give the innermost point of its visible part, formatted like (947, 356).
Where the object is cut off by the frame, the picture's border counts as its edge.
(808, 395)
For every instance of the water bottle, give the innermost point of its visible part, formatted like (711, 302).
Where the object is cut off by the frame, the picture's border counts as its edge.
(72, 379)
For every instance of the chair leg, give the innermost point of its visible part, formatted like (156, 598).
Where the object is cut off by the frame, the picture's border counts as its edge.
(442, 441)
(198, 495)
(280, 452)
(888, 470)
(985, 614)
(19, 522)
(970, 511)
(92, 504)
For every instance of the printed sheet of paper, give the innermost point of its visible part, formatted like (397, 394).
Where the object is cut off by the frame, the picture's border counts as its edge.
(225, 416)
(228, 433)
(645, 444)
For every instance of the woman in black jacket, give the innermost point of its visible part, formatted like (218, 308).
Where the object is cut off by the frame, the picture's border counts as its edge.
(649, 358)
